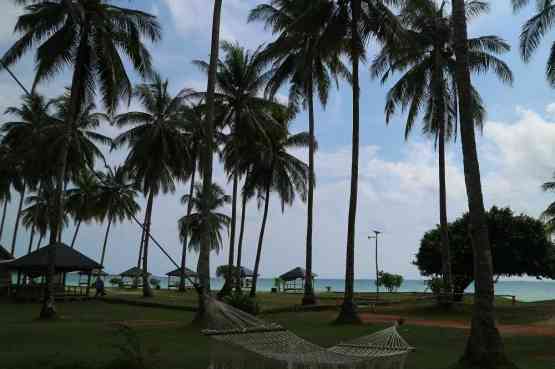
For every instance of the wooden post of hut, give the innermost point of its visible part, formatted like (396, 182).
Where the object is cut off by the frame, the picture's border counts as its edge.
(88, 288)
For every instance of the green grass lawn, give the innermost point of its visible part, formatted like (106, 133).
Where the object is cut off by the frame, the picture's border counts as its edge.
(86, 337)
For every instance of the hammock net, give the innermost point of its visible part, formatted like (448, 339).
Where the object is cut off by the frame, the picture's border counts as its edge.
(382, 350)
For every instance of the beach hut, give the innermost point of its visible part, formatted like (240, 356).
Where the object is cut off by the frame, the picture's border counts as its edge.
(175, 275)
(247, 276)
(5, 275)
(32, 268)
(293, 280)
(132, 278)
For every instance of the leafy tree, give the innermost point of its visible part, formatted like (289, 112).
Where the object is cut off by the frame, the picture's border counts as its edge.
(485, 347)
(298, 58)
(158, 153)
(91, 36)
(116, 199)
(533, 32)
(196, 225)
(519, 247)
(427, 87)
(391, 282)
(271, 167)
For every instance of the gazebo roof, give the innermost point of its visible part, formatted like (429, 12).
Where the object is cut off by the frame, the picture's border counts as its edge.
(66, 259)
(295, 273)
(133, 273)
(177, 273)
(5, 254)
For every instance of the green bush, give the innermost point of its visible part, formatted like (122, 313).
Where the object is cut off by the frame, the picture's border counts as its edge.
(243, 302)
(155, 282)
(116, 282)
(391, 282)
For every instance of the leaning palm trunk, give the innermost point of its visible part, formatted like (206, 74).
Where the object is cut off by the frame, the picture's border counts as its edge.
(39, 242)
(102, 257)
(260, 241)
(309, 298)
(77, 227)
(484, 348)
(147, 291)
(238, 287)
(17, 218)
(228, 285)
(31, 239)
(348, 312)
(185, 244)
(204, 254)
(4, 211)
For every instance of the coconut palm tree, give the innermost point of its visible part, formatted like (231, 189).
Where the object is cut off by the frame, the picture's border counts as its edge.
(82, 201)
(207, 158)
(116, 199)
(195, 225)
(533, 32)
(240, 81)
(159, 153)
(273, 168)
(484, 347)
(428, 84)
(299, 59)
(91, 36)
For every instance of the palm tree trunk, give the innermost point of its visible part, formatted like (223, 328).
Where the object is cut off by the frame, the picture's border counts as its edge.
(484, 348)
(31, 239)
(207, 158)
(40, 241)
(4, 211)
(75, 233)
(240, 246)
(141, 244)
(17, 218)
(260, 241)
(102, 257)
(228, 285)
(185, 243)
(348, 313)
(147, 290)
(309, 298)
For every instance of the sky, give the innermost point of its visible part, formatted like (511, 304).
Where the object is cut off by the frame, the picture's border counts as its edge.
(398, 187)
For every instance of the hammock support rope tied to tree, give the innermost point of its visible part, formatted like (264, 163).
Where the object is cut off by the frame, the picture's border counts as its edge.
(385, 349)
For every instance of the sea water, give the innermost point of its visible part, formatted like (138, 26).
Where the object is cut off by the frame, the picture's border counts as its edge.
(527, 291)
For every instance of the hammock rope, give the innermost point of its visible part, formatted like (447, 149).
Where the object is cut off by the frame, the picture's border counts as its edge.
(385, 349)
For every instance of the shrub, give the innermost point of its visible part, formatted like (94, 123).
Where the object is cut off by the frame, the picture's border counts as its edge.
(155, 282)
(116, 282)
(243, 302)
(391, 282)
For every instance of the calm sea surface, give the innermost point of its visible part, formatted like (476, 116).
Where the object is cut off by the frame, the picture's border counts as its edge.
(524, 290)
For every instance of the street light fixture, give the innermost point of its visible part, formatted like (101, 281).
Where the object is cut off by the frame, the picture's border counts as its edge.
(376, 234)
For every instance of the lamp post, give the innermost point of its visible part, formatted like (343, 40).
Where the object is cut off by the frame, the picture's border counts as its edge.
(376, 234)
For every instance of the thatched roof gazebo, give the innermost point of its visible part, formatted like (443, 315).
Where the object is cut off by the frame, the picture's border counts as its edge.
(175, 275)
(133, 277)
(293, 280)
(247, 275)
(5, 274)
(32, 269)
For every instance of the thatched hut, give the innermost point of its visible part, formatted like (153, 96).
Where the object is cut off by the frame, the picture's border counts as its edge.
(32, 268)
(5, 274)
(294, 279)
(175, 275)
(132, 278)
(247, 275)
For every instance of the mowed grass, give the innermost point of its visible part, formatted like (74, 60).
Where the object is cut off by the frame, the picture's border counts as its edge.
(86, 336)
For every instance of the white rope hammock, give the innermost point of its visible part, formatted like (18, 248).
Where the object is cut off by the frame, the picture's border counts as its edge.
(382, 350)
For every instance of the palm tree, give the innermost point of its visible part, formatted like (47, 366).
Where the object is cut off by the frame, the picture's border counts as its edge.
(116, 198)
(273, 168)
(194, 225)
(240, 80)
(159, 154)
(534, 30)
(428, 85)
(91, 36)
(298, 58)
(207, 158)
(82, 201)
(484, 347)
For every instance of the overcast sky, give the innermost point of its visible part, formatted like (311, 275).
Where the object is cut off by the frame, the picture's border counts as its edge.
(398, 180)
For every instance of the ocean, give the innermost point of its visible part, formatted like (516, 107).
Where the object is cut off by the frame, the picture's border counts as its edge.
(527, 291)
